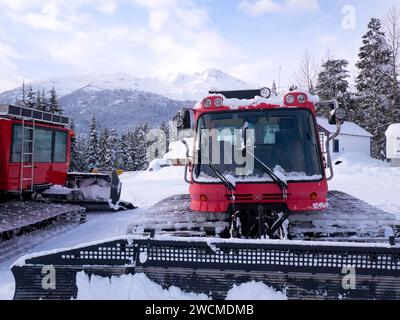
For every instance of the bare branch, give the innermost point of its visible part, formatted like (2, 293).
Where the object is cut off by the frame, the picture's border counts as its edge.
(307, 74)
(392, 31)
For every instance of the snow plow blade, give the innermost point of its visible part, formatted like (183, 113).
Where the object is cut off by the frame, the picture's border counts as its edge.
(304, 270)
(93, 191)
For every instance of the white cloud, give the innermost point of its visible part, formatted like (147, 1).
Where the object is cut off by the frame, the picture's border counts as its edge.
(260, 7)
(8, 71)
(107, 7)
(259, 72)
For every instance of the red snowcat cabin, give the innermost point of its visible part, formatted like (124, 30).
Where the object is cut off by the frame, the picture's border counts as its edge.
(34, 149)
(288, 173)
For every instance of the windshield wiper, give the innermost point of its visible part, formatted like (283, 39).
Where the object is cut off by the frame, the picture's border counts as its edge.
(281, 183)
(221, 176)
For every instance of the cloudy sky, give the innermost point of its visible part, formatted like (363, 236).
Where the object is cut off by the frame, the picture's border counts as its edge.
(246, 38)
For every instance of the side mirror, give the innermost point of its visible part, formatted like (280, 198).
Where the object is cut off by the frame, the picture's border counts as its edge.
(337, 115)
(183, 120)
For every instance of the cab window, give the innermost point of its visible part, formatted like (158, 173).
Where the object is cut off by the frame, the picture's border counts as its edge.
(43, 145)
(50, 145)
(60, 146)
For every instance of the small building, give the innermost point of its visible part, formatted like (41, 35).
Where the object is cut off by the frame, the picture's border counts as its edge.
(352, 138)
(393, 144)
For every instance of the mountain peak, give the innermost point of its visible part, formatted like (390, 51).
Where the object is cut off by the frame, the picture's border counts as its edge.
(179, 86)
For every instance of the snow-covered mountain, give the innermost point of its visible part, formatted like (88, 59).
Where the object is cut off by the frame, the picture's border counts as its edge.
(122, 101)
(177, 87)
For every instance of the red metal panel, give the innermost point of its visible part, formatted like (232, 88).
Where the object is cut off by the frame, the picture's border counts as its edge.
(298, 198)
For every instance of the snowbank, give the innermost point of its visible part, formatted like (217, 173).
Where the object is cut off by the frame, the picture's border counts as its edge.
(373, 181)
(140, 287)
(254, 291)
(128, 287)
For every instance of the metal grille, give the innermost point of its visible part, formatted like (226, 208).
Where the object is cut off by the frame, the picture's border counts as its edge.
(231, 255)
(302, 271)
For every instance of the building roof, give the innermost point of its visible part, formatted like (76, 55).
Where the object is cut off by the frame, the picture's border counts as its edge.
(348, 128)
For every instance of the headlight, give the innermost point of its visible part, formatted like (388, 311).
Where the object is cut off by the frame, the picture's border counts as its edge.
(265, 93)
(207, 103)
(218, 102)
(178, 121)
(301, 98)
(290, 99)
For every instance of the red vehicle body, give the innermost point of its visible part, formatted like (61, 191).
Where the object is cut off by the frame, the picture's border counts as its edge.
(48, 168)
(301, 195)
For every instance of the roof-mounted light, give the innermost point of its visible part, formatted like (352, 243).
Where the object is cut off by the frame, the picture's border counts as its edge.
(265, 92)
(218, 102)
(290, 99)
(302, 98)
(207, 103)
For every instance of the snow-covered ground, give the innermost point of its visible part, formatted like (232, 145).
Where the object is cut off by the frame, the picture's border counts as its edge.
(370, 180)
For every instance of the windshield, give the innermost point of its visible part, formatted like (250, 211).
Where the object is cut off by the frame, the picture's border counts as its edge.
(283, 140)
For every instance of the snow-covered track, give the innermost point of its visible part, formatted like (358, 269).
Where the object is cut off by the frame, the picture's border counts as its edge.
(24, 225)
(346, 219)
(307, 270)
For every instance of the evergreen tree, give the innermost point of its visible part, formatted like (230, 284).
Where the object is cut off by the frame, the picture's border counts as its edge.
(332, 84)
(31, 99)
(374, 85)
(74, 151)
(21, 102)
(82, 164)
(164, 127)
(93, 146)
(44, 101)
(104, 149)
(123, 152)
(139, 147)
(38, 103)
(54, 105)
(113, 140)
(130, 152)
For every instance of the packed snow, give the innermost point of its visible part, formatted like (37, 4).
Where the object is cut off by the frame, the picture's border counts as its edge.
(140, 287)
(254, 291)
(371, 180)
(129, 287)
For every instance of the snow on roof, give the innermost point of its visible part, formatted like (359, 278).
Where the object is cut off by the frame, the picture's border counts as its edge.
(348, 128)
(177, 150)
(393, 130)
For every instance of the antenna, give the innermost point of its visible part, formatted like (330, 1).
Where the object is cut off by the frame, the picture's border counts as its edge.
(279, 78)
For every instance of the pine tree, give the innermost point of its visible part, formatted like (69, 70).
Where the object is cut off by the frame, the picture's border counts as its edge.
(104, 149)
(374, 85)
(45, 101)
(74, 151)
(165, 128)
(130, 156)
(21, 102)
(54, 105)
(332, 84)
(31, 99)
(122, 153)
(38, 103)
(93, 146)
(139, 151)
(113, 148)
